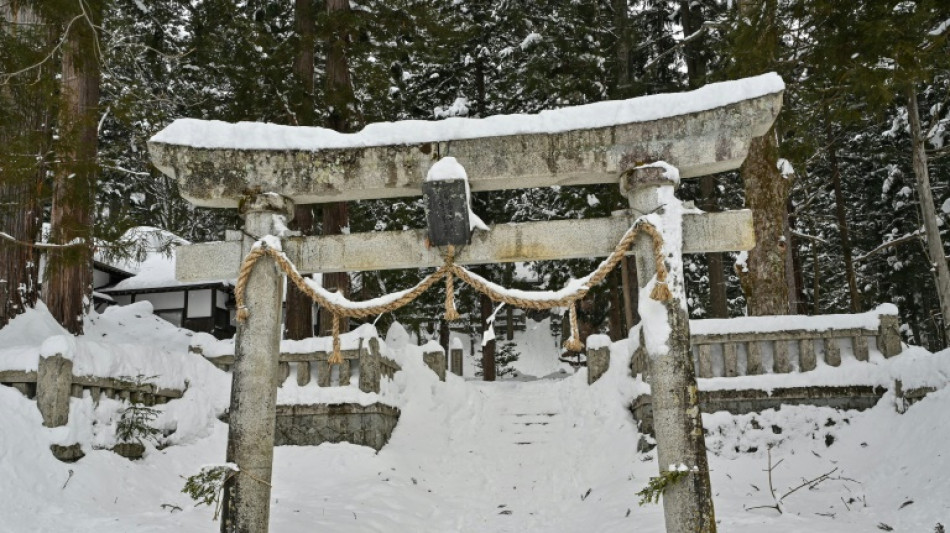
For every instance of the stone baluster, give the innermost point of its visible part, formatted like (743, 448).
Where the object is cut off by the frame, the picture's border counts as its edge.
(889, 336)
(860, 346)
(303, 373)
(369, 367)
(754, 358)
(730, 359)
(780, 361)
(832, 352)
(807, 354)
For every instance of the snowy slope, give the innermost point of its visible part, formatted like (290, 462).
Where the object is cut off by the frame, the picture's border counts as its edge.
(546, 455)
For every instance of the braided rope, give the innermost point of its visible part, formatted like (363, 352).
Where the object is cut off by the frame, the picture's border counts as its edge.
(449, 270)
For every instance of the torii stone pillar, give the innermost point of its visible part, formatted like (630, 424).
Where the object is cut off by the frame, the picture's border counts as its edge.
(246, 498)
(687, 504)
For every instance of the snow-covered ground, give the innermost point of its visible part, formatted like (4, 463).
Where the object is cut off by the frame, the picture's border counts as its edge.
(545, 455)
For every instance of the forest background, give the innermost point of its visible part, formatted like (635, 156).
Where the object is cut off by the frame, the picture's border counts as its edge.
(850, 189)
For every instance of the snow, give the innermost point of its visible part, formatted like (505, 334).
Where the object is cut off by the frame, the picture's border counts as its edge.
(767, 324)
(122, 342)
(545, 455)
(261, 136)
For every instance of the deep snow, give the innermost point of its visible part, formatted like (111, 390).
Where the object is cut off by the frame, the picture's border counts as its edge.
(545, 455)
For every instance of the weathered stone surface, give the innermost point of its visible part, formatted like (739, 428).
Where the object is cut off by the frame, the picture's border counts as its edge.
(311, 425)
(370, 368)
(246, 500)
(67, 454)
(889, 339)
(529, 241)
(130, 450)
(738, 402)
(806, 353)
(435, 361)
(698, 144)
(54, 379)
(598, 361)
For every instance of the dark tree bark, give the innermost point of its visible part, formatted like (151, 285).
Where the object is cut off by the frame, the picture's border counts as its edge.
(488, 349)
(693, 19)
(299, 308)
(68, 286)
(935, 249)
(763, 279)
(843, 229)
(622, 77)
(344, 118)
(25, 117)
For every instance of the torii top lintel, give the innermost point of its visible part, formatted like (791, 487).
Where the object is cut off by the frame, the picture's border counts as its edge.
(701, 132)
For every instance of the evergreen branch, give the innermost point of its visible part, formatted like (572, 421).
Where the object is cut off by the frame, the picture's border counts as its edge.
(679, 44)
(42, 245)
(5, 78)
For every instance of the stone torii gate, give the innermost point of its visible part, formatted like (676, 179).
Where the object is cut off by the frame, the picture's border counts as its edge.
(264, 170)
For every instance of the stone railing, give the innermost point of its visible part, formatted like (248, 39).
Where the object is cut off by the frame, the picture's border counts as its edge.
(743, 351)
(366, 361)
(53, 384)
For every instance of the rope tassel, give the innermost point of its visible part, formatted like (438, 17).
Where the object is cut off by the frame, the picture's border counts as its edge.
(451, 313)
(337, 357)
(574, 343)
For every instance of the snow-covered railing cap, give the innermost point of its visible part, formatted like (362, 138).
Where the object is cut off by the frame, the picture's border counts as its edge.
(700, 132)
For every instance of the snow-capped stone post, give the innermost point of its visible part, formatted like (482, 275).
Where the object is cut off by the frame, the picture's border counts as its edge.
(687, 504)
(54, 379)
(246, 501)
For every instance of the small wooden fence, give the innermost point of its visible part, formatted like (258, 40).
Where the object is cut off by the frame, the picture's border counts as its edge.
(53, 384)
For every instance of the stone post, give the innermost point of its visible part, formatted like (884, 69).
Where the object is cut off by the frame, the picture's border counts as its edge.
(687, 504)
(369, 367)
(435, 361)
(54, 379)
(889, 338)
(598, 360)
(246, 501)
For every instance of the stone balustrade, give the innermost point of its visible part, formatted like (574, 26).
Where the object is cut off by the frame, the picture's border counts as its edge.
(53, 384)
(743, 351)
(364, 361)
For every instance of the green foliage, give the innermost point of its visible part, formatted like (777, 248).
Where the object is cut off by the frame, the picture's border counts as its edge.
(658, 485)
(205, 487)
(136, 421)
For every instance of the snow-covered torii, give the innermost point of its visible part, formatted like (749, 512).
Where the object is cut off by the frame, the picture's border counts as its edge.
(265, 169)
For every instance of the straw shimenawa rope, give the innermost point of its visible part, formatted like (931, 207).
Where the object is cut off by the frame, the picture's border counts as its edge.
(449, 270)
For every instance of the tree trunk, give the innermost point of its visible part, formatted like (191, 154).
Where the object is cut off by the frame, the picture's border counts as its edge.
(622, 52)
(843, 229)
(25, 135)
(693, 19)
(488, 349)
(68, 286)
(299, 308)
(794, 266)
(343, 118)
(928, 212)
(763, 280)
